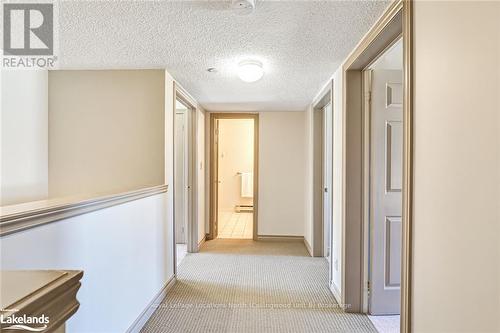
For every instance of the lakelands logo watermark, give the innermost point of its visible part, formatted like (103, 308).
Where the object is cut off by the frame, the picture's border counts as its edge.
(24, 323)
(28, 35)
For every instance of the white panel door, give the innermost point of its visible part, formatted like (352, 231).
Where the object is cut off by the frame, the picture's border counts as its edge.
(180, 178)
(386, 157)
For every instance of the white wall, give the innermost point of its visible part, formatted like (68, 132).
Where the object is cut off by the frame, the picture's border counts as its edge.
(456, 281)
(282, 167)
(106, 130)
(24, 136)
(236, 154)
(125, 252)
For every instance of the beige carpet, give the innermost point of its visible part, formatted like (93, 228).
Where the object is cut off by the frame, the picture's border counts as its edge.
(246, 286)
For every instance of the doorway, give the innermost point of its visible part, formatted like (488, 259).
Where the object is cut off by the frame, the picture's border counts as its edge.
(378, 175)
(183, 177)
(322, 175)
(233, 176)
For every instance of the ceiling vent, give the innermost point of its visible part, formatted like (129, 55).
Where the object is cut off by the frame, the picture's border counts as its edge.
(243, 7)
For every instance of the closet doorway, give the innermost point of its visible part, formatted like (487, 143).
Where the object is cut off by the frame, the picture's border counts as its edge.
(234, 169)
(185, 231)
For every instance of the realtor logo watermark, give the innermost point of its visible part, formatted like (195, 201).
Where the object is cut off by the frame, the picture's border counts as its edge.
(23, 322)
(28, 35)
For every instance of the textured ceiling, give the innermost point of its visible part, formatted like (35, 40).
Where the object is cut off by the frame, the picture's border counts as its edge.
(300, 43)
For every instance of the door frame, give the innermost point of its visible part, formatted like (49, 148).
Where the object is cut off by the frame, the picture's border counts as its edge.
(213, 212)
(192, 188)
(325, 97)
(394, 23)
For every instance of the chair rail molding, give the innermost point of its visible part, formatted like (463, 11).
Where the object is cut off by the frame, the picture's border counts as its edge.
(20, 217)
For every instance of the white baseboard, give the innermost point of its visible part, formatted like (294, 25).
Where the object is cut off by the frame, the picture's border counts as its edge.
(151, 308)
(280, 238)
(308, 247)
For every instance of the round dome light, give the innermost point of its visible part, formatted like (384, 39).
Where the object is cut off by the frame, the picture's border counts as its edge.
(250, 70)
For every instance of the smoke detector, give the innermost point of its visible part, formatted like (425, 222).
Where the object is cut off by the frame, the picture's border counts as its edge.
(243, 7)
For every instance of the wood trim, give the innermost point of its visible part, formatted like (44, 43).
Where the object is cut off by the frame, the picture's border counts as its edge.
(352, 201)
(139, 323)
(374, 32)
(234, 115)
(366, 118)
(285, 238)
(55, 299)
(408, 172)
(211, 181)
(203, 240)
(57, 210)
(212, 209)
(184, 95)
(255, 216)
(308, 247)
(321, 100)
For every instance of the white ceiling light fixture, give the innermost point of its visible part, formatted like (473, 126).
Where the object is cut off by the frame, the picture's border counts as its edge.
(250, 70)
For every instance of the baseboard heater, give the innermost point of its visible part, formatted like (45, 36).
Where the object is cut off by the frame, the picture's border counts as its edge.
(243, 208)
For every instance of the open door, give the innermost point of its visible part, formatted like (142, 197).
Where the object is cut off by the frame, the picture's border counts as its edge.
(181, 213)
(386, 176)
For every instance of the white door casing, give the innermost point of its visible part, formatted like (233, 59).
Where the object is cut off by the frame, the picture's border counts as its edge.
(215, 194)
(386, 167)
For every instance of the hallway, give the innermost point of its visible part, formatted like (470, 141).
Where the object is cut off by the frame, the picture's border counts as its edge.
(247, 286)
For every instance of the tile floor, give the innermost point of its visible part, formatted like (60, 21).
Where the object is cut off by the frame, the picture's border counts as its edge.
(385, 324)
(235, 225)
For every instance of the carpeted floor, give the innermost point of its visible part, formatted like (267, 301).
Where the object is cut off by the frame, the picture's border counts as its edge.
(245, 286)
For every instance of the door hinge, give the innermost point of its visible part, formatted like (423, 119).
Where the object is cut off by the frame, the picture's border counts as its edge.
(368, 287)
